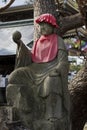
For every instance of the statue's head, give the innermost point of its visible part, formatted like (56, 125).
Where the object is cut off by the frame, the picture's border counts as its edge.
(47, 23)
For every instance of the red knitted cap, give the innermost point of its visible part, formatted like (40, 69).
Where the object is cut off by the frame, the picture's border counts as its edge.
(49, 18)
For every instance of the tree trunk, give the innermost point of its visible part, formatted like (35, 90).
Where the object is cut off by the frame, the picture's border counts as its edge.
(83, 9)
(78, 93)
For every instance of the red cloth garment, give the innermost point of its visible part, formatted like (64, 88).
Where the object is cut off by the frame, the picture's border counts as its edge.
(49, 18)
(45, 48)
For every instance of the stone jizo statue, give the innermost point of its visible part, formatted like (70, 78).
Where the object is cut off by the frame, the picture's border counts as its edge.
(38, 86)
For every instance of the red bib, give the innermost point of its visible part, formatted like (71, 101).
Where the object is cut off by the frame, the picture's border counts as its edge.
(45, 48)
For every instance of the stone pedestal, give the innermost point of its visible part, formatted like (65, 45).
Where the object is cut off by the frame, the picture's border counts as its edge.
(5, 116)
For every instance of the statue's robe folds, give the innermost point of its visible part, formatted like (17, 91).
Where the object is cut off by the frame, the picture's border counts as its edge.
(39, 91)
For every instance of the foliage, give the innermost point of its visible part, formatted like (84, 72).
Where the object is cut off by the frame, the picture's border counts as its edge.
(76, 43)
(74, 67)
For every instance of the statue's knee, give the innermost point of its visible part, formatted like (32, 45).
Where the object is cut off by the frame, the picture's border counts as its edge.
(14, 76)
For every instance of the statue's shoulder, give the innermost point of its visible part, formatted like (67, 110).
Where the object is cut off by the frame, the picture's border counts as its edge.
(61, 43)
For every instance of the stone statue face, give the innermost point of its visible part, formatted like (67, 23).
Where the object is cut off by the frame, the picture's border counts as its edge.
(46, 29)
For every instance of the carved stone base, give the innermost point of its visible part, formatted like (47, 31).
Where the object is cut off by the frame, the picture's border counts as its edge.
(8, 120)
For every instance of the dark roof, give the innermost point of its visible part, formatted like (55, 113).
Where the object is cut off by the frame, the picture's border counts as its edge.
(17, 13)
(17, 9)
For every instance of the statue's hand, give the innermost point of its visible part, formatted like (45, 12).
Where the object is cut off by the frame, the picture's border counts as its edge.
(16, 37)
(54, 73)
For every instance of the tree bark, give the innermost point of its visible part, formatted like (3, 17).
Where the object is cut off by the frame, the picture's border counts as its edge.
(71, 22)
(82, 4)
(44, 6)
(78, 93)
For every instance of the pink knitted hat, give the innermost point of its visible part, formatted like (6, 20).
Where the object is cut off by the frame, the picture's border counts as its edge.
(48, 18)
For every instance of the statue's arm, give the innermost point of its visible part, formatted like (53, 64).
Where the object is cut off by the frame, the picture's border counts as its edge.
(62, 59)
(63, 69)
(23, 54)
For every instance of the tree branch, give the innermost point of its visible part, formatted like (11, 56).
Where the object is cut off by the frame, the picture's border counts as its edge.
(71, 22)
(7, 5)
